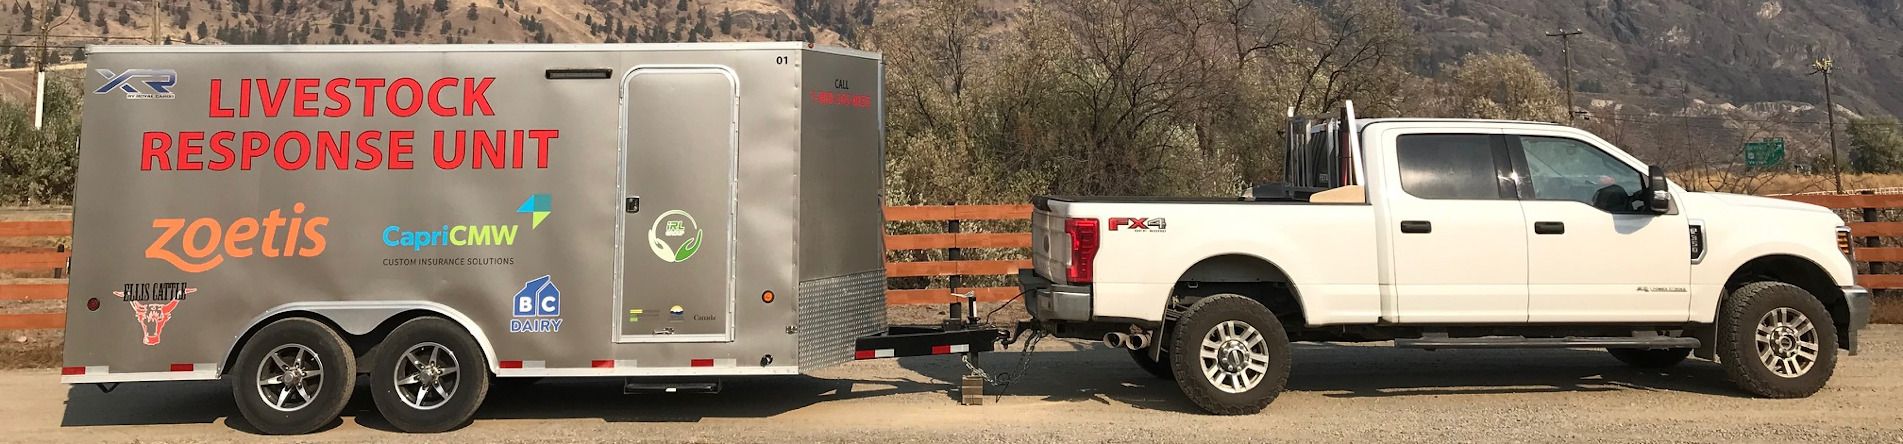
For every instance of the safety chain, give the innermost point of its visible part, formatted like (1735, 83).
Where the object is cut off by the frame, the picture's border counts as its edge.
(1004, 380)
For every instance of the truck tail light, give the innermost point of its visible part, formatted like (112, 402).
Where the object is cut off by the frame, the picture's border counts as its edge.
(1083, 249)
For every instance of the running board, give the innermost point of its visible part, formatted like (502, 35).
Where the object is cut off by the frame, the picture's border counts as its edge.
(646, 388)
(1648, 342)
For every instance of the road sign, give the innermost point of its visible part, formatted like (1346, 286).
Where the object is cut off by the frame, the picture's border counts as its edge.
(1764, 153)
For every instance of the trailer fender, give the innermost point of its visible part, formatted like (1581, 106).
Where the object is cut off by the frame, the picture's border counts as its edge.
(362, 317)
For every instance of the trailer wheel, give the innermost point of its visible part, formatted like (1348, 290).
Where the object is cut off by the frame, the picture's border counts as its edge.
(1159, 368)
(1776, 341)
(1231, 356)
(293, 377)
(1641, 358)
(432, 376)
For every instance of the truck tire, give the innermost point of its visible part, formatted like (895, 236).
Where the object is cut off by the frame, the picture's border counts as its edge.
(1231, 355)
(1776, 341)
(293, 377)
(431, 377)
(1159, 368)
(1659, 358)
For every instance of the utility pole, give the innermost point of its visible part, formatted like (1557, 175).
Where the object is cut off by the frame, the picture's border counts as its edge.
(1566, 49)
(39, 65)
(1823, 66)
(158, 20)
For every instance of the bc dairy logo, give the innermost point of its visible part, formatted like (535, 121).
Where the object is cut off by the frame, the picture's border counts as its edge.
(538, 307)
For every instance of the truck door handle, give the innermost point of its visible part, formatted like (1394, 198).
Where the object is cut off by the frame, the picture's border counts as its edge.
(1549, 227)
(1417, 226)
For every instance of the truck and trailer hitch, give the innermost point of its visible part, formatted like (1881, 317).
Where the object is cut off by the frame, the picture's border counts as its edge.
(962, 333)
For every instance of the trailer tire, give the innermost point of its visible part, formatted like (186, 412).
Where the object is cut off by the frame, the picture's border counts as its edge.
(1654, 358)
(1249, 355)
(1159, 368)
(1765, 329)
(310, 367)
(431, 377)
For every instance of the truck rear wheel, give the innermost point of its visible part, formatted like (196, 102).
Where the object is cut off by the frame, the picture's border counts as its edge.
(1156, 367)
(431, 376)
(1777, 341)
(293, 377)
(1231, 356)
(1642, 358)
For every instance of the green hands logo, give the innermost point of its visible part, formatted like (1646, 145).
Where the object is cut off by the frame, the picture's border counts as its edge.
(674, 237)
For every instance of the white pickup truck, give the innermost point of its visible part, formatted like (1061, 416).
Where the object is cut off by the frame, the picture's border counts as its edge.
(1440, 233)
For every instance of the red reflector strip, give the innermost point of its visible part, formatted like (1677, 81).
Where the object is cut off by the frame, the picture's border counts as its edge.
(941, 350)
(70, 371)
(701, 363)
(865, 354)
(602, 363)
(509, 364)
(181, 367)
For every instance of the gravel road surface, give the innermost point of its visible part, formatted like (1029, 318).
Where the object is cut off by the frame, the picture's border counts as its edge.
(1074, 392)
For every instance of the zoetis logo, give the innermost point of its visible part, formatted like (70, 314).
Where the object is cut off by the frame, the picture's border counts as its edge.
(469, 235)
(205, 242)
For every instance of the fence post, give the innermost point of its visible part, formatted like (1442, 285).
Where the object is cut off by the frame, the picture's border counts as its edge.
(60, 272)
(953, 254)
(1871, 215)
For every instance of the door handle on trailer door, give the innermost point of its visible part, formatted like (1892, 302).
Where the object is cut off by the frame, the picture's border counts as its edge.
(1417, 226)
(1549, 228)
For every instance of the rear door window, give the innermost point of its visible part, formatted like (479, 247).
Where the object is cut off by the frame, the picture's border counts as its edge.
(1450, 166)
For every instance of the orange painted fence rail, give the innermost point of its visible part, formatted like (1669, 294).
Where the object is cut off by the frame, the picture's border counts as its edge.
(34, 260)
(1869, 225)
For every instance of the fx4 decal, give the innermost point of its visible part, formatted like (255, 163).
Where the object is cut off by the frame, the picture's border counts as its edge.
(1139, 224)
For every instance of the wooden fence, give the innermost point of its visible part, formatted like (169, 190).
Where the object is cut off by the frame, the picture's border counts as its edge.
(1869, 224)
(34, 260)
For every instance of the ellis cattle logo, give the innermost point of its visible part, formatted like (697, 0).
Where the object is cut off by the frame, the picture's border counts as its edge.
(152, 305)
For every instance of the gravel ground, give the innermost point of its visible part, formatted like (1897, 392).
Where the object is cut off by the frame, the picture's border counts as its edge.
(1074, 392)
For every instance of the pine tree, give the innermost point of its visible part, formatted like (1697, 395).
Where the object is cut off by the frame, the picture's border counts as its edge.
(441, 5)
(472, 14)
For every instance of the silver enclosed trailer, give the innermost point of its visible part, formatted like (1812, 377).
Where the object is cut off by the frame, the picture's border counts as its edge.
(291, 216)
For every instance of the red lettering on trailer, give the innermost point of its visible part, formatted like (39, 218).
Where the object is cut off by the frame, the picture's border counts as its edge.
(369, 94)
(334, 90)
(218, 109)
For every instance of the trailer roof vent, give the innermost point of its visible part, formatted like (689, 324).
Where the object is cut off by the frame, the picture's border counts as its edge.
(577, 73)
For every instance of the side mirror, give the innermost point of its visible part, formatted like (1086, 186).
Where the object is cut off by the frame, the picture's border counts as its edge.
(1658, 195)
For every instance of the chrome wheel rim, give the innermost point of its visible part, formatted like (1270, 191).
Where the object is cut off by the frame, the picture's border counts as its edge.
(426, 376)
(290, 377)
(1787, 342)
(1234, 356)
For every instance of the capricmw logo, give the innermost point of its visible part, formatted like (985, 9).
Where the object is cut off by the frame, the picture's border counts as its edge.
(202, 244)
(537, 206)
(158, 83)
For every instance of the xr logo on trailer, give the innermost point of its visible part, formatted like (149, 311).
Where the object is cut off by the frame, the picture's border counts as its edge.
(158, 83)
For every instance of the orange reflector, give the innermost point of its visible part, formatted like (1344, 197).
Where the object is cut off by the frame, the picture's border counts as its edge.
(767, 297)
(1844, 244)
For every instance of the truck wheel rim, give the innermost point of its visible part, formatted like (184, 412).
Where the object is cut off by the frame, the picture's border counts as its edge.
(1787, 342)
(426, 376)
(290, 377)
(1235, 357)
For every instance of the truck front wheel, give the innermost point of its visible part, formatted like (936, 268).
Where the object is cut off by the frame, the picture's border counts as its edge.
(293, 377)
(1775, 340)
(431, 376)
(1230, 355)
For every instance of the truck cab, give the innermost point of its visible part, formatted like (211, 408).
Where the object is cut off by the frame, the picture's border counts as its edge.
(1449, 233)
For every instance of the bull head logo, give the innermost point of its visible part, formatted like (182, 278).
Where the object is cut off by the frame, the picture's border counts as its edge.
(152, 316)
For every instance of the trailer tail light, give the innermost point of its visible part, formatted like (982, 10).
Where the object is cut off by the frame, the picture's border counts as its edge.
(1844, 244)
(509, 364)
(1084, 234)
(72, 371)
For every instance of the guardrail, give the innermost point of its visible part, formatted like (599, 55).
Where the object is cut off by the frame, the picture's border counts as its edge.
(34, 260)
